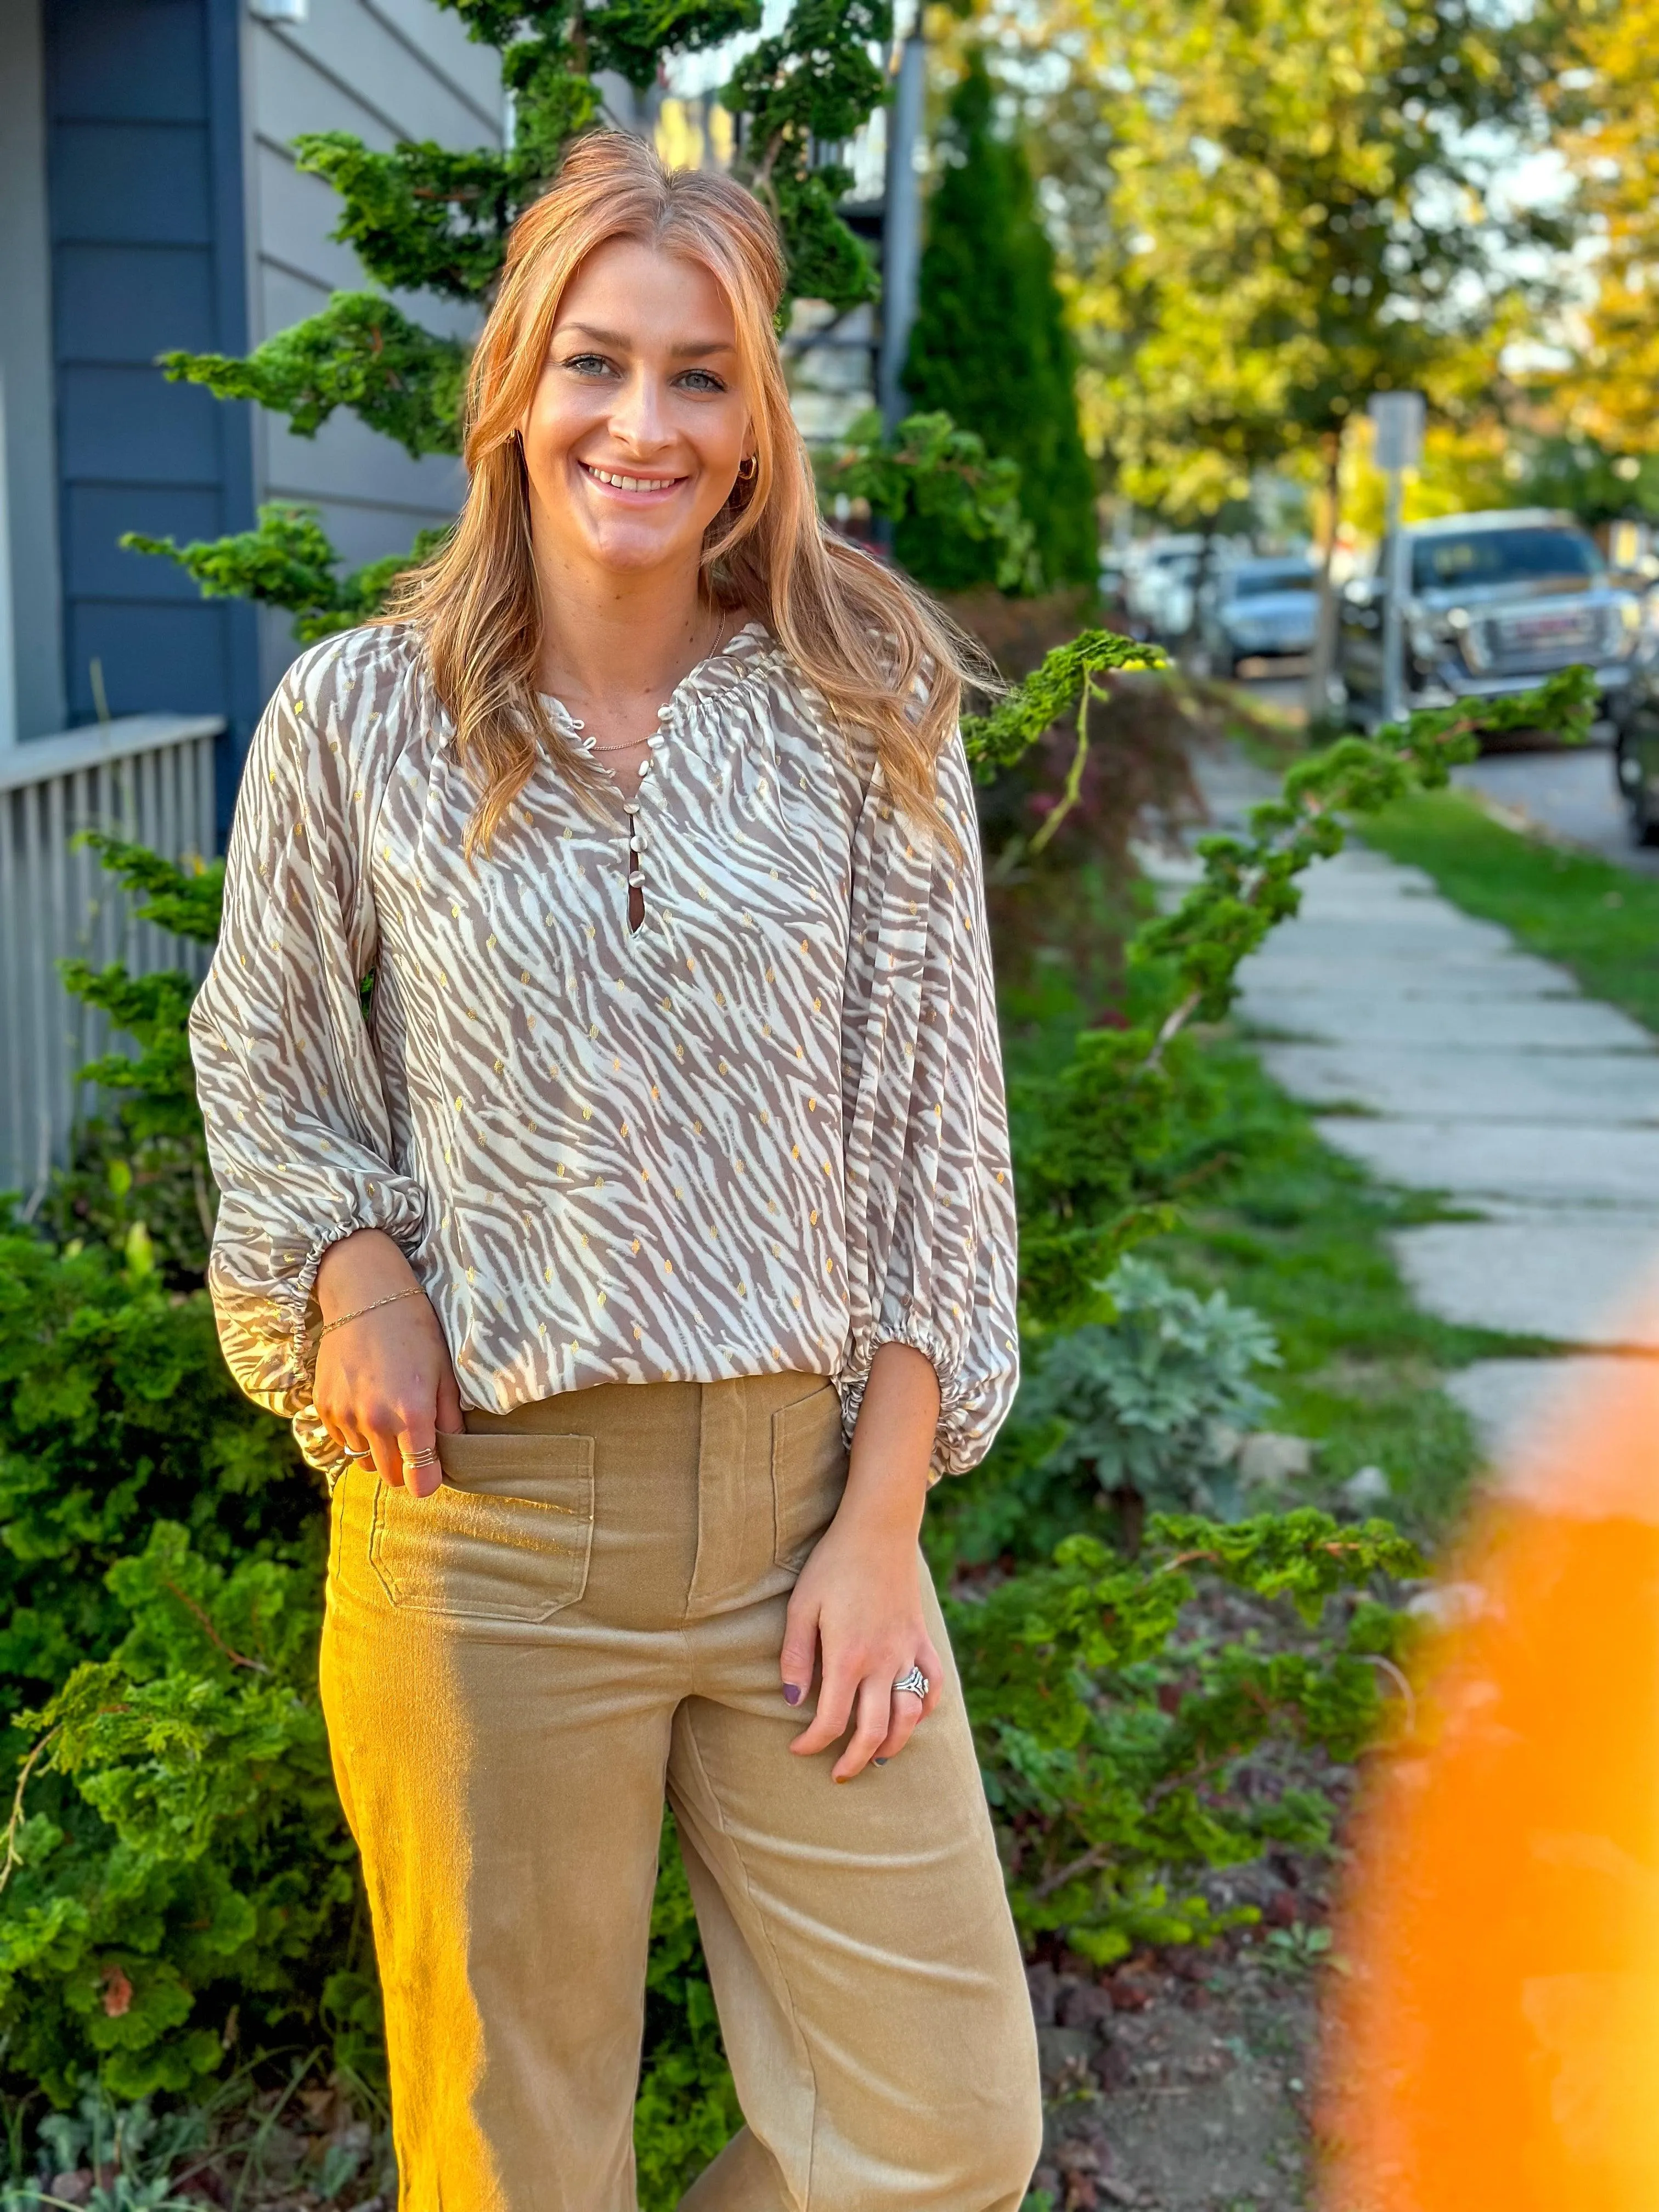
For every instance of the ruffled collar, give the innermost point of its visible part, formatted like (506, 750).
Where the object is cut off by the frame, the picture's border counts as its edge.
(741, 657)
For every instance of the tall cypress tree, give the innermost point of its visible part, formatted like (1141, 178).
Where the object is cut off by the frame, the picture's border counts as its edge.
(990, 347)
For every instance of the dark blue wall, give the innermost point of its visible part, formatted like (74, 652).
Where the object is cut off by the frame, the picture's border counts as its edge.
(147, 246)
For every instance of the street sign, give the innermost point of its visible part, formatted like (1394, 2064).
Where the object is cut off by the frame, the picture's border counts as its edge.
(1397, 420)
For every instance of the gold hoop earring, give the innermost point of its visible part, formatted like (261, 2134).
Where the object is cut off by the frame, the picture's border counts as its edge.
(748, 468)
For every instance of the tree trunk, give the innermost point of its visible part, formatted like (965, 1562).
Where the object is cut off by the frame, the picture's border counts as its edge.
(1324, 651)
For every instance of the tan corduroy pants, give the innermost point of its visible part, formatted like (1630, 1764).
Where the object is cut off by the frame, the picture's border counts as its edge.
(586, 1616)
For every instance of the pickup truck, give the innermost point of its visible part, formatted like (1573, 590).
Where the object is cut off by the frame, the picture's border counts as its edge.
(1493, 603)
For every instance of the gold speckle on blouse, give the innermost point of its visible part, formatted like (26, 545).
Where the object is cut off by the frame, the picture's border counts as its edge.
(807, 983)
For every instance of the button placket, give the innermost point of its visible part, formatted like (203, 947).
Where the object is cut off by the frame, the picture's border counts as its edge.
(637, 843)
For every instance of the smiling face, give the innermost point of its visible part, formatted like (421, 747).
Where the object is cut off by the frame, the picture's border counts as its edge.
(638, 425)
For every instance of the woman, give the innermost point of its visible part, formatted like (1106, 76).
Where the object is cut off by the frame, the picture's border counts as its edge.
(663, 1155)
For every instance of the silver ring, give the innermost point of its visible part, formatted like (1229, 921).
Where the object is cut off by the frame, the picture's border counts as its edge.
(916, 1682)
(368, 1452)
(421, 1459)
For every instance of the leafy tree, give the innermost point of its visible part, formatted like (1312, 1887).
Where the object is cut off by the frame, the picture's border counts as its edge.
(1610, 109)
(1303, 206)
(991, 350)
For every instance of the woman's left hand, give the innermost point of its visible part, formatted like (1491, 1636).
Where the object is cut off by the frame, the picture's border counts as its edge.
(856, 1613)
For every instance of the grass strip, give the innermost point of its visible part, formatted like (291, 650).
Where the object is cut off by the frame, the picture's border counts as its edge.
(1301, 1233)
(1600, 921)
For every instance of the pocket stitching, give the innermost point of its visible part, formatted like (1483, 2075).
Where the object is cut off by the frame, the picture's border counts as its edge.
(581, 1564)
(786, 1431)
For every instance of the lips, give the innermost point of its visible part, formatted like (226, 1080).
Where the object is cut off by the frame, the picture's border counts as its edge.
(617, 480)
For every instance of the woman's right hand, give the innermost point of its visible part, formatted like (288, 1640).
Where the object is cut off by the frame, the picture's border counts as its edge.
(385, 1385)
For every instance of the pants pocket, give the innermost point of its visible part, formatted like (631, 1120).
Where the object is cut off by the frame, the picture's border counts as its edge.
(809, 1474)
(505, 1536)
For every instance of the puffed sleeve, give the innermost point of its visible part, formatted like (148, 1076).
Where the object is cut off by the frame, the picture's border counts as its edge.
(297, 1127)
(932, 1258)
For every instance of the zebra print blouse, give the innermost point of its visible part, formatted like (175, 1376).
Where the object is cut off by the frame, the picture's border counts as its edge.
(764, 1131)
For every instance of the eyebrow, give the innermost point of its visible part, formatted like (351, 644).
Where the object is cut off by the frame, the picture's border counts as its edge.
(697, 349)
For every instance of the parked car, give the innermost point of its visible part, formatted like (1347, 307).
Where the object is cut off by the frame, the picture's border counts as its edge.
(1635, 735)
(1493, 603)
(1160, 580)
(1261, 611)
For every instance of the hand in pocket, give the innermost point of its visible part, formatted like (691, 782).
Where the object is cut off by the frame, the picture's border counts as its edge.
(385, 1384)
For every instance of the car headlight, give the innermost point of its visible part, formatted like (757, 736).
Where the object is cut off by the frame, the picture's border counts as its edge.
(1629, 624)
(1429, 635)
(1470, 637)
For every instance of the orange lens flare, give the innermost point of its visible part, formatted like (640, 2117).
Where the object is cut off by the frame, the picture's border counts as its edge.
(1494, 2038)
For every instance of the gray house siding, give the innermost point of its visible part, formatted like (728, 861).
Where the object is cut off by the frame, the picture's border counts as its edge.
(388, 70)
(144, 177)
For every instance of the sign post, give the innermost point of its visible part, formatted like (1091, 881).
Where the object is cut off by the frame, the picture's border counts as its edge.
(1397, 423)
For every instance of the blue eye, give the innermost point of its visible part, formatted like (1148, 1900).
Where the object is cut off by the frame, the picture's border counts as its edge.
(701, 380)
(589, 364)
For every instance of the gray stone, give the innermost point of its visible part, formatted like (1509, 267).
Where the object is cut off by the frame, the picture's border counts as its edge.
(1365, 1490)
(1574, 1277)
(1044, 1985)
(1567, 1163)
(1412, 1081)
(1471, 1068)
(1309, 960)
(1086, 2004)
(1064, 2055)
(1268, 1461)
(1323, 1013)
(1513, 1402)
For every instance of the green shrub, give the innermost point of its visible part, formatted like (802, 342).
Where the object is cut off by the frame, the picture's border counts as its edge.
(1137, 1411)
(180, 1889)
(116, 1411)
(1112, 1742)
(1146, 1399)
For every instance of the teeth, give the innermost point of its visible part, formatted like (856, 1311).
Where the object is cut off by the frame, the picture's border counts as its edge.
(627, 484)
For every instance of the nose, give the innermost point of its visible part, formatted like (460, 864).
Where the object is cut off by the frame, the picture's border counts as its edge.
(638, 418)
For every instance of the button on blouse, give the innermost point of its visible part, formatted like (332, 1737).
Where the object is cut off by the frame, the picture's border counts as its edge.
(761, 1132)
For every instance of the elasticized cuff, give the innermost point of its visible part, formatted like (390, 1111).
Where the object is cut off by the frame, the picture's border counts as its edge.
(922, 1336)
(302, 1334)
(319, 1449)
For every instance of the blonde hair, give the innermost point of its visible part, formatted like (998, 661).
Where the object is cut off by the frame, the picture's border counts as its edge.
(881, 656)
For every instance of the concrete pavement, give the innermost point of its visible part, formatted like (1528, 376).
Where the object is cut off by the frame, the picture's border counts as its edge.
(1446, 1060)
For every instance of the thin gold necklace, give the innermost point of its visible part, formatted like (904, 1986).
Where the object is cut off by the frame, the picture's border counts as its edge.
(628, 744)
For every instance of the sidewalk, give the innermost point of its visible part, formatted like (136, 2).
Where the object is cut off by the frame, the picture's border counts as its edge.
(1448, 1060)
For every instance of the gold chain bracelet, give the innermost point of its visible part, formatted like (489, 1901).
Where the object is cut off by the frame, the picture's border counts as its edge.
(341, 1319)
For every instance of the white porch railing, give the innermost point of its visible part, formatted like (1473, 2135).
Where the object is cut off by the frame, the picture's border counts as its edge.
(148, 777)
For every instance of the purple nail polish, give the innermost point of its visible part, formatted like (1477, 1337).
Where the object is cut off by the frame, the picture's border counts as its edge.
(790, 1694)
